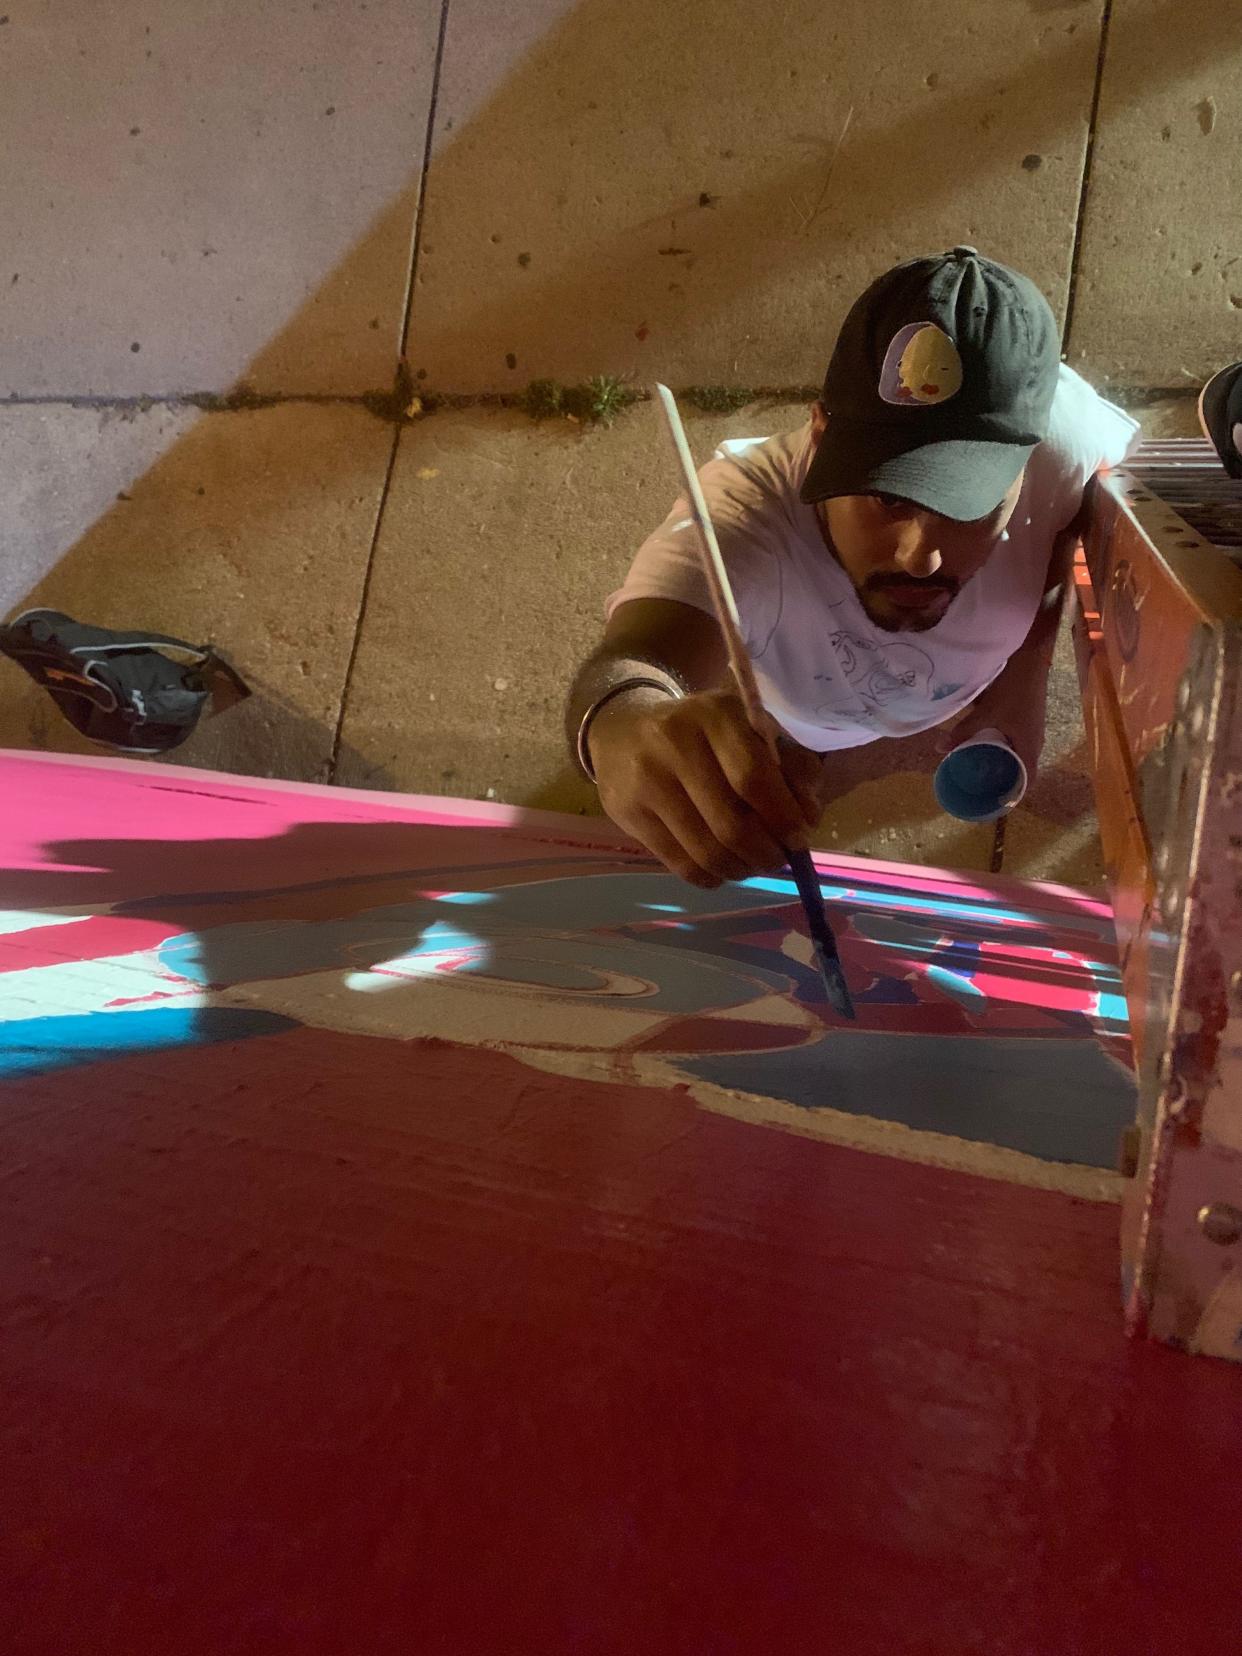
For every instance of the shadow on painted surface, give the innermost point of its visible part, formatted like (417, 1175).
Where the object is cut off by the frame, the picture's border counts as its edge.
(987, 1013)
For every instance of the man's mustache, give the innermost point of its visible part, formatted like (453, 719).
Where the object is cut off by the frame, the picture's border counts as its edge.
(930, 583)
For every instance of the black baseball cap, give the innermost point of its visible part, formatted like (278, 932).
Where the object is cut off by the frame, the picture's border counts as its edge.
(940, 386)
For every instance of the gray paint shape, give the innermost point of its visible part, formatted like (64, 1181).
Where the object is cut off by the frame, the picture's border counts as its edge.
(1060, 1100)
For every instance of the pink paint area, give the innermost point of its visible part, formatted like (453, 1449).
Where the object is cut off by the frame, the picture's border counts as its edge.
(116, 798)
(547, 938)
(123, 797)
(1049, 977)
(93, 935)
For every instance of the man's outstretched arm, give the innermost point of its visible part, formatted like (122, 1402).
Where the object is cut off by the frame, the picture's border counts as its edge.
(1016, 701)
(649, 636)
(652, 716)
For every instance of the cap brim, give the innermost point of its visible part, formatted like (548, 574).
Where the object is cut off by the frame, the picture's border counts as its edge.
(958, 478)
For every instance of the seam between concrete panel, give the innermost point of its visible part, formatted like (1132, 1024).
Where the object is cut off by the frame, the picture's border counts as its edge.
(383, 405)
(416, 239)
(402, 390)
(207, 402)
(362, 604)
(1106, 18)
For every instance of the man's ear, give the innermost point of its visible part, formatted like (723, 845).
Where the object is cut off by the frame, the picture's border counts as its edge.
(819, 422)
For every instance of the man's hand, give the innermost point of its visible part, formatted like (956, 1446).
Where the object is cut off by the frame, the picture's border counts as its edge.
(1016, 701)
(693, 782)
(1020, 722)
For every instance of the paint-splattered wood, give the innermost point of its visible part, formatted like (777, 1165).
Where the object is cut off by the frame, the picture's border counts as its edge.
(151, 909)
(322, 1345)
(1160, 646)
(326, 1334)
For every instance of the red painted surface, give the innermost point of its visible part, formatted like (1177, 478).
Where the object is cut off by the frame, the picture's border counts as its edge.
(465, 1360)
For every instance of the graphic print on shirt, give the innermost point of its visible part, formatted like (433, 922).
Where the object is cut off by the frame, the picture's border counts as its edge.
(877, 677)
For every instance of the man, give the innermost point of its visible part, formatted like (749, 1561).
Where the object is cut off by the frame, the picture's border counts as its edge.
(897, 561)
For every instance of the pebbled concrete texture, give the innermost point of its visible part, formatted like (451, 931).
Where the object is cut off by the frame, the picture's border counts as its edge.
(184, 182)
(1159, 299)
(250, 530)
(500, 540)
(642, 197)
(1165, 415)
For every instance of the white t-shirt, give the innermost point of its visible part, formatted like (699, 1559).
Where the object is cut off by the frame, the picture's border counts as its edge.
(828, 675)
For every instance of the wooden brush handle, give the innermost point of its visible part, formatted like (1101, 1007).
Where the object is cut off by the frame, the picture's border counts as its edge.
(717, 578)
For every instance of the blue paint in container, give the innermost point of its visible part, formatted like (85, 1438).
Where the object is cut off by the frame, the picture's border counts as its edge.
(980, 780)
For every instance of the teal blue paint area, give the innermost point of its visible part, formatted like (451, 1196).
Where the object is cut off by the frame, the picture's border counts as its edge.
(38, 1046)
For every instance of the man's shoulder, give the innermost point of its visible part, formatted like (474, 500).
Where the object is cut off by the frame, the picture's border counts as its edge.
(760, 471)
(1085, 430)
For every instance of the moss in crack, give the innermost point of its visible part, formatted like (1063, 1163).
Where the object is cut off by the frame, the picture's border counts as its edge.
(543, 399)
(384, 405)
(718, 399)
(241, 397)
(597, 402)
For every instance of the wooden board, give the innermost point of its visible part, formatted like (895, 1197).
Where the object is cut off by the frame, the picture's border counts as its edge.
(428, 1228)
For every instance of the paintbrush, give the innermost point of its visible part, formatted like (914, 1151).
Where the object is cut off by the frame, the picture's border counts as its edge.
(800, 863)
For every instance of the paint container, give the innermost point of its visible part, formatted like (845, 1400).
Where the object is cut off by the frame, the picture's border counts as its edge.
(980, 780)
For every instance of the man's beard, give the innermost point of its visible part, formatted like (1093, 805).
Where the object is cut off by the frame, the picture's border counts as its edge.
(892, 617)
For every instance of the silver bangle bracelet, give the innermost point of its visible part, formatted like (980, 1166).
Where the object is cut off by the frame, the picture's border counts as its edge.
(669, 686)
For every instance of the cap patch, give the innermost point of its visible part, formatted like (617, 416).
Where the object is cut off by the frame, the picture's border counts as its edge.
(921, 367)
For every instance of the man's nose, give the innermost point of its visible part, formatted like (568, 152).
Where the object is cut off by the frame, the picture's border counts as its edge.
(917, 552)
